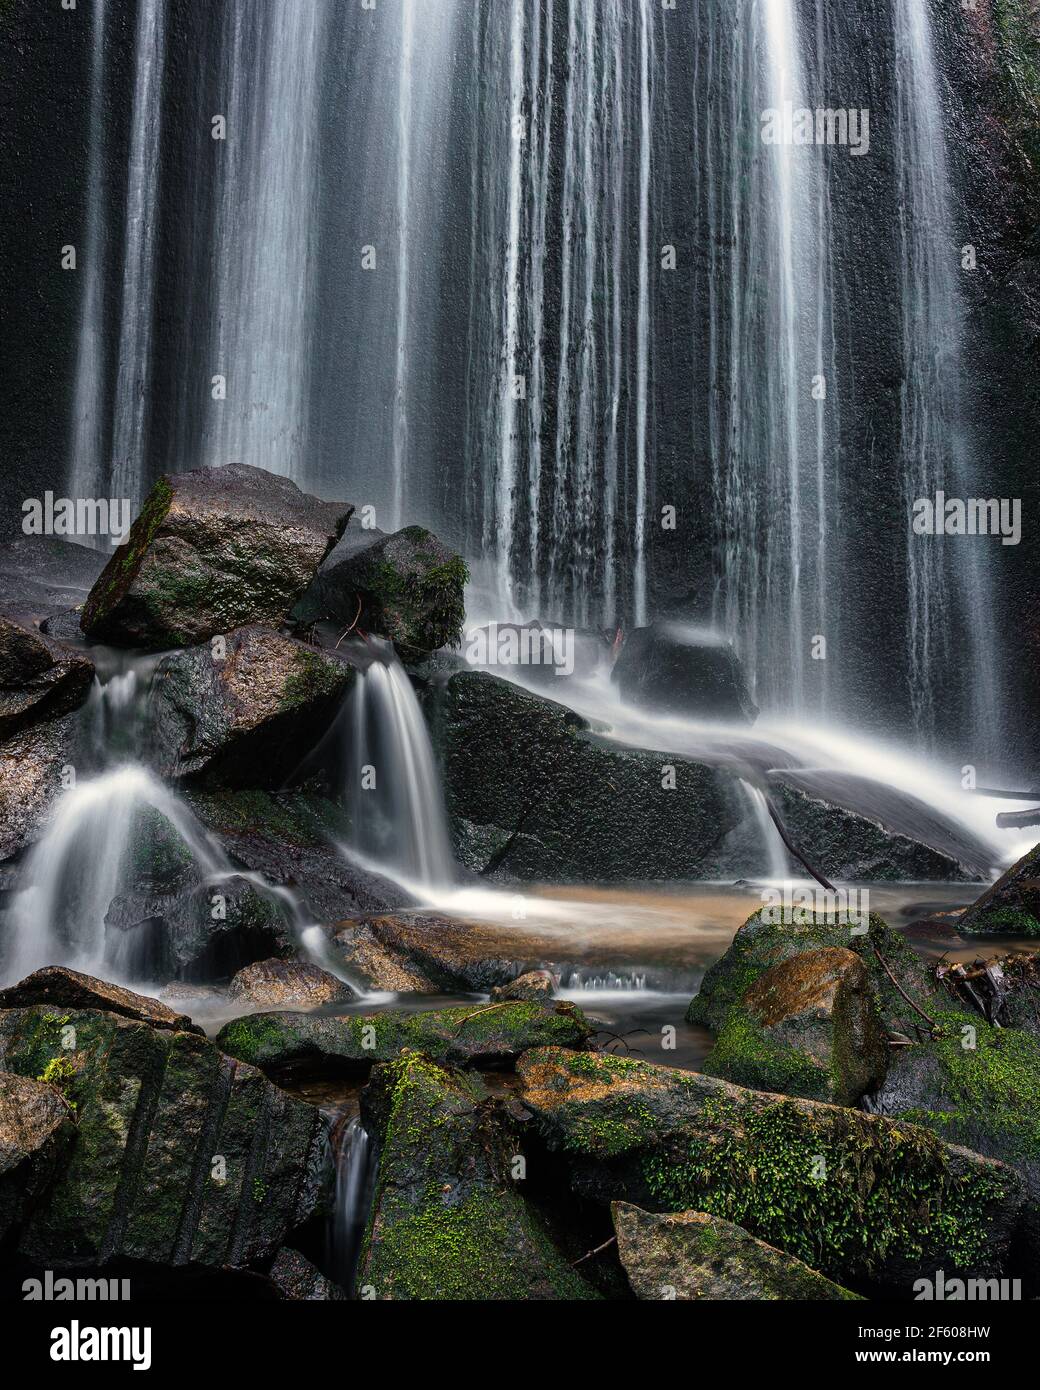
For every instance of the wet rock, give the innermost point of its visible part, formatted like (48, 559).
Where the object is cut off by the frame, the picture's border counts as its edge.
(450, 953)
(876, 1201)
(533, 795)
(685, 671)
(544, 654)
(39, 678)
(212, 550)
(690, 1255)
(807, 1026)
(283, 983)
(468, 1035)
(36, 1126)
(376, 966)
(45, 576)
(535, 984)
(448, 1223)
(301, 1282)
(62, 988)
(407, 586)
(155, 1109)
(772, 935)
(1011, 907)
(248, 716)
(33, 763)
(291, 839)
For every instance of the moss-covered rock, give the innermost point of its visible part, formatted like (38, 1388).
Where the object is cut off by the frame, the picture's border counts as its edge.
(448, 1221)
(407, 586)
(858, 1197)
(469, 1034)
(532, 794)
(179, 1155)
(248, 714)
(212, 550)
(808, 1026)
(35, 1129)
(1011, 906)
(691, 1255)
(62, 988)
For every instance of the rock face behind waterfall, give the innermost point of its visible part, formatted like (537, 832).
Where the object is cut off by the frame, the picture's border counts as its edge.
(407, 586)
(153, 1109)
(248, 717)
(682, 670)
(212, 550)
(532, 795)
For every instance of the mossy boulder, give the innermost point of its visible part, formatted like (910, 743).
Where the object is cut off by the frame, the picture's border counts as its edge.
(861, 1198)
(774, 934)
(155, 1110)
(808, 1026)
(36, 1126)
(532, 794)
(468, 1034)
(213, 549)
(245, 714)
(39, 678)
(1011, 907)
(690, 1255)
(407, 586)
(62, 988)
(449, 1223)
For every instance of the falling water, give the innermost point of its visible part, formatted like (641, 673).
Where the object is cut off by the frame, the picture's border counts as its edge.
(89, 422)
(134, 364)
(393, 785)
(355, 1184)
(937, 445)
(265, 234)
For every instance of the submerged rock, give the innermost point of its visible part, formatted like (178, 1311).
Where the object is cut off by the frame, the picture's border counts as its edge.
(479, 1035)
(407, 586)
(448, 1223)
(248, 716)
(691, 1255)
(36, 1126)
(686, 671)
(1011, 907)
(532, 795)
(856, 1196)
(807, 1026)
(69, 989)
(39, 678)
(155, 1111)
(213, 549)
(276, 983)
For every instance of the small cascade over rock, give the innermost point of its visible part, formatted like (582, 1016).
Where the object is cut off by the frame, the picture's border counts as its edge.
(355, 1160)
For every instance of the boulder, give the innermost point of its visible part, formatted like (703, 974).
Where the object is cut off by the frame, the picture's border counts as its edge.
(448, 1222)
(533, 984)
(1011, 907)
(212, 550)
(155, 1109)
(856, 1196)
(36, 1127)
(691, 1255)
(807, 1026)
(273, 984)
(32, 763)
(300, 1282)
(39, 678)
(478, 1035)
(544, 654)
(248, 716)
(450, 954)
(69, 989)
(376, 966)
(533, 795)
(686, 671)
(772, 935)
(407, 586)
(44, 576)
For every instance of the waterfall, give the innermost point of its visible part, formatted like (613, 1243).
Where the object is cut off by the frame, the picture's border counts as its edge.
(393, 786)
(355, 1160)
(948, 600)
(134, 363)
(265, 235)
(89, 423)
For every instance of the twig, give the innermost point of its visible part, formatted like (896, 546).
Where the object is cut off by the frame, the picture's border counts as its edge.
(590, 1253)
(775, 818)
(884, 965)
(353, 625)
(485, 1010)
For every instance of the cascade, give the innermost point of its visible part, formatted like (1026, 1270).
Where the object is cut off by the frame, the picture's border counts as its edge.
(355, 1160)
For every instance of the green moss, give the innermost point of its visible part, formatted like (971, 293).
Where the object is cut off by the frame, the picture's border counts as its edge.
(315, 678)
(744, 1054)
(1008, 921)
(1019, 55)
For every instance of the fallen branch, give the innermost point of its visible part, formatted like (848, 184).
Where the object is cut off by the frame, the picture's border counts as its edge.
(589, 1254)
(782, 831)
(884, 965)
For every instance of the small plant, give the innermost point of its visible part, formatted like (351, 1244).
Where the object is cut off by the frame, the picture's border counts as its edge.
(60, 1073)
